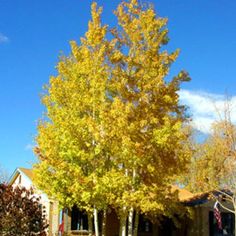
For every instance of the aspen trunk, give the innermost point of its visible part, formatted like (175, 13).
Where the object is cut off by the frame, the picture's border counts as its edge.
(123, 216)
(90, 225)
(123, 225)
(234, 224)
(234, 219)
(130, 222)
(131, 212)
(104, 222)
(234, 205)
(95, 214)
(136, 222)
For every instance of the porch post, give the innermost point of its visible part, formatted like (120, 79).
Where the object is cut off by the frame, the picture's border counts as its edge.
(67, 220)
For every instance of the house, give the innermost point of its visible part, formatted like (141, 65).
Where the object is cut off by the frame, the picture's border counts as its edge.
(202, 222)
(23, 177)
(76, 222)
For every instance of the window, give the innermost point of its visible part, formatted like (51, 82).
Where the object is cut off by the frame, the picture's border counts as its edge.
(19, 182)
(227, 224)
(145, 225)
(79, 219)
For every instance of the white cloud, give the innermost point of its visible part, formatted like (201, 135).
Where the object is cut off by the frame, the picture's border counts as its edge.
(206, 108)
(29, 147)
(3, 38)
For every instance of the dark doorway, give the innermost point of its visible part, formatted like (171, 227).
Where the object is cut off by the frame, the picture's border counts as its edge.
(79, 219)
(227, 224)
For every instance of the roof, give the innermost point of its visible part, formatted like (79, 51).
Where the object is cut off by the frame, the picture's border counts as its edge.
(27, 172)
(184, 195)
(198, 199)
(201, 198)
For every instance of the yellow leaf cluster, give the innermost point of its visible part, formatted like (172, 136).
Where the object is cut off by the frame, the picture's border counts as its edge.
(113, 131)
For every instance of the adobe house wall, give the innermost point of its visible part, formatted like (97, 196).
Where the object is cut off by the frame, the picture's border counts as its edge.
(112, 227)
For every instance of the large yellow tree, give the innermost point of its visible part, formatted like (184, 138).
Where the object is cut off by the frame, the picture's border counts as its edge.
(113, 133)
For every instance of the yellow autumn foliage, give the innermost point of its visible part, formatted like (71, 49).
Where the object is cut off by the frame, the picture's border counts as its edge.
(113, 132)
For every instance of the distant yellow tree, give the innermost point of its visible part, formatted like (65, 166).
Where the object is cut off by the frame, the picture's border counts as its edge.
(213, 167)
(214, 161)
(113, 132)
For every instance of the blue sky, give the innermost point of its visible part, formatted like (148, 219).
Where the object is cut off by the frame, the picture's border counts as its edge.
(34, 33)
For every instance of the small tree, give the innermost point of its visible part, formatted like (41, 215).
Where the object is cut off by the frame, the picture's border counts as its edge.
(3, 175)
(20, 213)
(213, 166)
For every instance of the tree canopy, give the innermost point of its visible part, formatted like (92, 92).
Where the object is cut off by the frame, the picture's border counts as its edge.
(113, 132)
(214, 162)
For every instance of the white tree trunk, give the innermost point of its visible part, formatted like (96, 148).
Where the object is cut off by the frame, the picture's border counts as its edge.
(235, 224)
(123, 225)
(95, 213)
(136, 222)
(104, 222)
(90, 225)
(130, 222)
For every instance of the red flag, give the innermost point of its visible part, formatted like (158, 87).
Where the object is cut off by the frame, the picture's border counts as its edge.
(217, 215)
(61, 227)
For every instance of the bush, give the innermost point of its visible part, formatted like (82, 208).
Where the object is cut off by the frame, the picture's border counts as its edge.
(21, 213)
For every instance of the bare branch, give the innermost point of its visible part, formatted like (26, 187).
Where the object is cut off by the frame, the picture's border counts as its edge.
(221, 204)
(225, 194)
(226, 208)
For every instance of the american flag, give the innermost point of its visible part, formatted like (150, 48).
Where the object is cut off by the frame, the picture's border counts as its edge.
(61, 226)
(217, 215)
